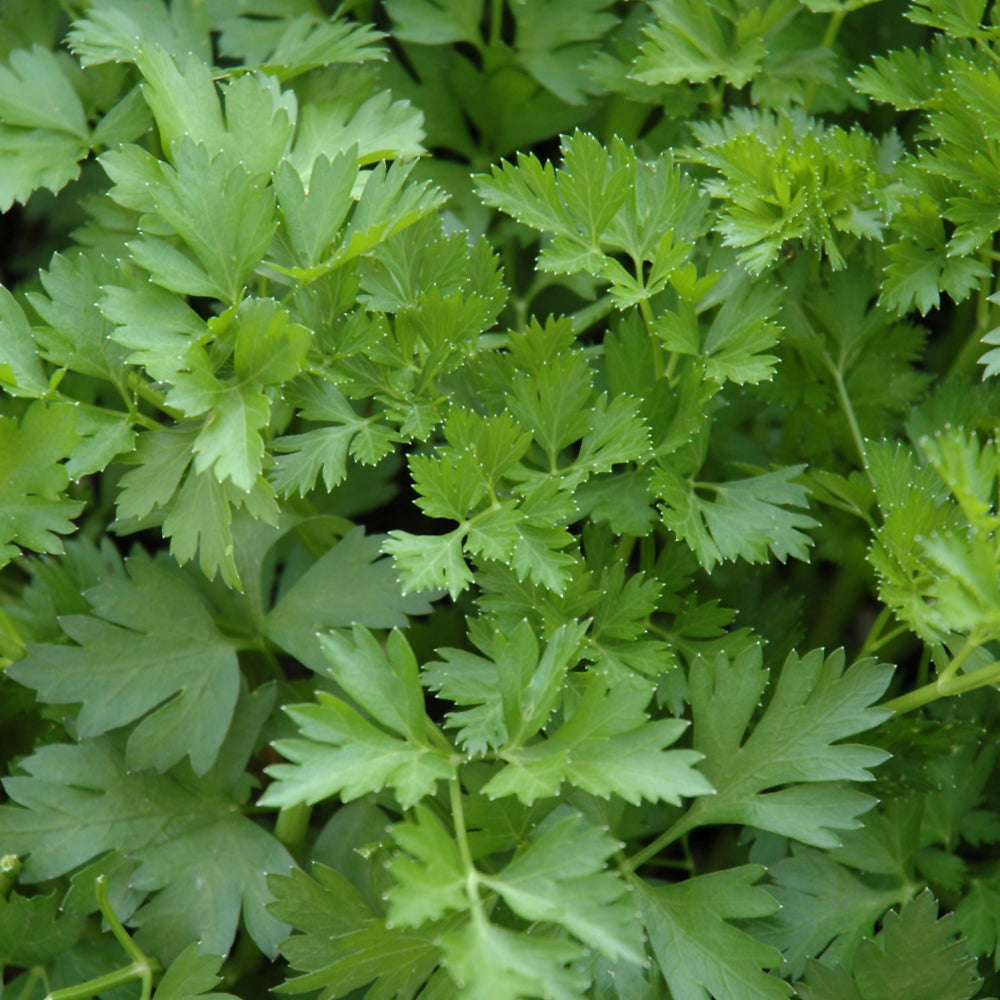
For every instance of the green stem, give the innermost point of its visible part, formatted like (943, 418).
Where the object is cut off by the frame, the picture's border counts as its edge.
(472, 877)
(938, 689)
(684, 825)
(647, 317)
(839, 605)
(10, 869)
(848, 408)
(496, 21)
(965, 360)
(716, 99)
(121, 935)
(29, 979)
(141, 967)
(873, 639)
(458, 817)
(829, 37)
(101, 984)
(971, 644)
(583, 318)
(292, 826)
(155, 399)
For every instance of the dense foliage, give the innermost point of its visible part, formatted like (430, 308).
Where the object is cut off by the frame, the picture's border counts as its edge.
(499, 499)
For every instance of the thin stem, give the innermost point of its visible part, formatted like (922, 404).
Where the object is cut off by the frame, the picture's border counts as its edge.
(936, 689)
(101, 984)
(496, 21)
(885, 640)
(848, 408)
(155, 399)
(647, 317)
(881, 620)
(675, 832)
(141, 967)
(965, 360)
(114, 924)
(829, 37)
(839, 605)
(458, 816)
(971, 644)
(472, 876)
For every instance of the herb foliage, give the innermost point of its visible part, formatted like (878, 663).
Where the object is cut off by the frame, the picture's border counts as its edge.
(500, 499)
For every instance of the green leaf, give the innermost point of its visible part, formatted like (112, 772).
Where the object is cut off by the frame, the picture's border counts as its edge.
(700, 952)
(159, 328)
(825, 910)
(260, 121)
(513, 689)
(33, 931)
(294, 45)
(430, 876)
(203, 861)
(348, 585)
(429, 562)
(113, 31)
(312, 214)
(43, 125)
(33, 159)
(785, 178)
(344, 944)
(375, 128)
(182, 96)
(492, 963)
(556, 39)
(786, 775)
(176, 672)
(191, 975)
(977, 916)
(747, 519)
(436, 22)
(77, 336)
(199, 522)
(603, 202)
(34, 510)
(560, 878)
(35, 93)
(905, 79)
(915, 954)
(229, 445)
(607, 747)
(221, 210)
(958, 18)
(344, 754)
(695, 42)
(21, 372)
(921, 266)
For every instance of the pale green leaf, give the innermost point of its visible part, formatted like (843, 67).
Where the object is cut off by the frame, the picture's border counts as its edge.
(700, 952)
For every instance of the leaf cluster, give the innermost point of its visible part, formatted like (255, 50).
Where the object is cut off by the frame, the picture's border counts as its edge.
(499, 499)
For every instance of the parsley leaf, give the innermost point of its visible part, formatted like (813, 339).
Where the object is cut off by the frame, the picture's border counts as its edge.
(607, 746)
(203, 861)
(785, 776)
(698, 949)
(747, 519)
(176, 673)
(341, 752)
(34, 510)
(915, 951)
